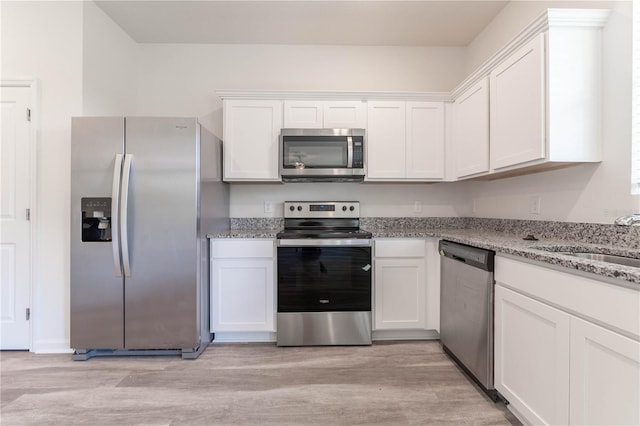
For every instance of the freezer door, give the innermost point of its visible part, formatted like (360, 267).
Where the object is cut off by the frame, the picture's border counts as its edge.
(161, 293)
(96, 291)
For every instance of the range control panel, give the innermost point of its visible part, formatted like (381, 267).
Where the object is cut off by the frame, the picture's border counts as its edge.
(321, 209)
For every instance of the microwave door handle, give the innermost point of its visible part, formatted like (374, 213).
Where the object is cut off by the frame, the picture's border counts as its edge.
(349, 152)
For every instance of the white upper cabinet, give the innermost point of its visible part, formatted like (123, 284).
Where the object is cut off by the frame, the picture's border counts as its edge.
(425, 140)
(471, 131)
(251, 138)
(546, 98)
(303, 115)
(405, 141)
(534, 105)
(386, 135)
(325, 115)
(345, 115)
(517, 107)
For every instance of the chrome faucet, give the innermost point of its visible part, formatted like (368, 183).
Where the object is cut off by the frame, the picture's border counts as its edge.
(628, 220)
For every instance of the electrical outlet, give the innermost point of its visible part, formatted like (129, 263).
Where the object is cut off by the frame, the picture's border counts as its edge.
(417, 207)
(534, 204)
(268, 207)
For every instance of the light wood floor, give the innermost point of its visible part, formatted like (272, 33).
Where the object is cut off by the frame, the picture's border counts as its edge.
(393, 383)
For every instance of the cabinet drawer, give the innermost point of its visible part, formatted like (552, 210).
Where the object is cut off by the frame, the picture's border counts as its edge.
(233, 249)
(400, 248)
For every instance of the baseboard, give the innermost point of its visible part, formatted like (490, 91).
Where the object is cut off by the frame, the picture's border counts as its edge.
(380, 335)
(244, 337)
(52, 346)
(377, 335)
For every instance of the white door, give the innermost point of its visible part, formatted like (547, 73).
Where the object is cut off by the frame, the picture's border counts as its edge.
(303, 114)
(242, 295)
(345, 115)
(386, 139)
(532, 357)
(399, 294)
(425, 140)
(605, 376)
(471, 131)
(15, 172)
(251, 140)
(517, 105)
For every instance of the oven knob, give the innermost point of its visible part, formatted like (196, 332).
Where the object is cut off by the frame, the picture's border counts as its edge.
(299, 208)
(352, 208)
(292, 208)
(344, 208)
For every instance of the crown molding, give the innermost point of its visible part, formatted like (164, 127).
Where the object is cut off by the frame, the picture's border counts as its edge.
(550, 18)
(316, 95)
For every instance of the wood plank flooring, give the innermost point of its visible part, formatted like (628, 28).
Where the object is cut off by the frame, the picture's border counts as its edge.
(391, 383)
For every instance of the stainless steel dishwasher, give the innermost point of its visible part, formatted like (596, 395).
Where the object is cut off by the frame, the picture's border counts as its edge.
(466, 310)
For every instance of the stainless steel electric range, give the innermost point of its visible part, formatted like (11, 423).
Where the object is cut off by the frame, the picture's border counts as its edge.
(324, 275)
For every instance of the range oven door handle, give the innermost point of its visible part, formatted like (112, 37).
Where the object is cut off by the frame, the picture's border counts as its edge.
(324, 242)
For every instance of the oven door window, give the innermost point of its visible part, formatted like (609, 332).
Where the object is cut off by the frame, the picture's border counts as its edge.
(323, 152)
(324, 279)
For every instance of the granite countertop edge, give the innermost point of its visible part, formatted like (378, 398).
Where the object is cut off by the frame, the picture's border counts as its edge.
(546, 251)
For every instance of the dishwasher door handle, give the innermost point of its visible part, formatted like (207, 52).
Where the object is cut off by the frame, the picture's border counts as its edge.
(459, 259)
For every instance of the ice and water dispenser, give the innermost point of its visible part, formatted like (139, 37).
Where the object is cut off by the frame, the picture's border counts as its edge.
(96, 219)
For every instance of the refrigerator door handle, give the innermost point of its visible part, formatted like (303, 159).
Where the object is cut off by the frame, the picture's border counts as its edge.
(115, 215)
(124, 207)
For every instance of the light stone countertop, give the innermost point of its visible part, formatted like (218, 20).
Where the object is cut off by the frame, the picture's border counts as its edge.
(546, 250)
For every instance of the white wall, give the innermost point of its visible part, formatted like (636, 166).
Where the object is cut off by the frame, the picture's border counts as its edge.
(182, 80)
(78, 55)
(376, 199)
(595, 193)
(109, 63)
(44, 40)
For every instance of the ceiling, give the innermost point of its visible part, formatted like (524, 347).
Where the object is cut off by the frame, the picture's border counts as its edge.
(333, 22)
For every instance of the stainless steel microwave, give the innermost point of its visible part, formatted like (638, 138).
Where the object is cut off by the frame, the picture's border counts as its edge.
(322, 155)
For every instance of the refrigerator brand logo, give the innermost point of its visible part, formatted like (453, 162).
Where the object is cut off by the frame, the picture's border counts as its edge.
(181, 126)
(324, 301)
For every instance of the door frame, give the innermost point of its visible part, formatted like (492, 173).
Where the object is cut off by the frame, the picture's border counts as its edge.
(33, 84)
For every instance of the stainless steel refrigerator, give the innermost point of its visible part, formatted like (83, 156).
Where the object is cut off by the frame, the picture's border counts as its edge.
(144, 193)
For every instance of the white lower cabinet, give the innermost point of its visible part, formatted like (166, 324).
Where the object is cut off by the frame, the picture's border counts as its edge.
(567, 347)
(242, 286)
(532, 357)
(605, 376)
(399, 284)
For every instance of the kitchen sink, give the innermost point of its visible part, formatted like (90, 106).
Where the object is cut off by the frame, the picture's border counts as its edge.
(610, 258)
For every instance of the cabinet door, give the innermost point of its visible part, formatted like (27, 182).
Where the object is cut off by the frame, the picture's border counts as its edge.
(399, 294)
(303, 114)
(345, 115)
(386, 135)
(251, 132)
(532, 357)
(605, 376)
(242, 295)
(471, 131)
(517, 88)
(425, 140)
